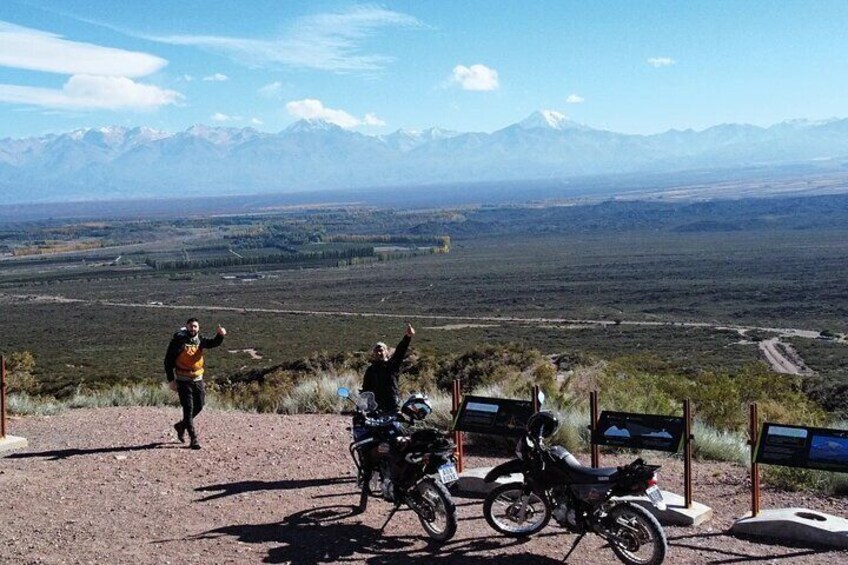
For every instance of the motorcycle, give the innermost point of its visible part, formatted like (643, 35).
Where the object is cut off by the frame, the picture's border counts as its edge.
(579, 498)
(403, 466)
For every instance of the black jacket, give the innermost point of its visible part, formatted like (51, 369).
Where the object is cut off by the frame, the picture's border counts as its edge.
(381, 378)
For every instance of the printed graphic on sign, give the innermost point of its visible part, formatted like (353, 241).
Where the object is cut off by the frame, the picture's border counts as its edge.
(639, 431)
(804, 447)
(494, 416)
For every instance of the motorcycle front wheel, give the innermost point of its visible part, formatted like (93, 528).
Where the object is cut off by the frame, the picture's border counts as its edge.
(437, 511)
(635, 535)
(509, 511)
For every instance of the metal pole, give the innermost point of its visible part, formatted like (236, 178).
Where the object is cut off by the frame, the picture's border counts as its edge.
(755, 469)
(687, 452)
(536, 405)
(593, 415)
(2, 397)
(456, 393)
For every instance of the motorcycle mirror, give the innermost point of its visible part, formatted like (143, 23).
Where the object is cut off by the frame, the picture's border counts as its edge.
(343, 392)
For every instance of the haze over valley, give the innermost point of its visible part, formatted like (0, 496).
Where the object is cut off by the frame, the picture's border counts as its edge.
(316, 155)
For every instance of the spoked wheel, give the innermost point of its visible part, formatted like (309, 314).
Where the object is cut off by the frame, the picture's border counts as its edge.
(437, 511)
(509, 511)
(635, 535)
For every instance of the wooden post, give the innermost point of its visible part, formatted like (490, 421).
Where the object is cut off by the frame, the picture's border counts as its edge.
(456, 396)
(536, 403)
(593, 416)
(755, 469)
(2, 397)
(687, 452)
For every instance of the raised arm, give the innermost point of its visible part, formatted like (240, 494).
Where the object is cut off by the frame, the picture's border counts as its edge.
(207, 343)
(400, 350)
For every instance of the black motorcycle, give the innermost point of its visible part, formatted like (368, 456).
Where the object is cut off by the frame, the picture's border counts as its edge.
(579, 498)
(404, 466)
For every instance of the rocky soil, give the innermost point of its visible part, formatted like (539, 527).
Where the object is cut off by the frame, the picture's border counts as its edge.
(114, 486)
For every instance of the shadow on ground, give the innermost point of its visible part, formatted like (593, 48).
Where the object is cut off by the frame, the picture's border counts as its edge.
(73, 452)
(322, 536)
(231, 489)
(724, 556)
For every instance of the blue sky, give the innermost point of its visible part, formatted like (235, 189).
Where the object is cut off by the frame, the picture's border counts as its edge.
(634, 67)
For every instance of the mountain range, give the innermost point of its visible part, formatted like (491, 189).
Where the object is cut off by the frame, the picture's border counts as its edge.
(310, 155)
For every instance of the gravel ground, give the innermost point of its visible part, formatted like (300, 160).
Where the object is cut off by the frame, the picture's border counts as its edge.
(114, 486)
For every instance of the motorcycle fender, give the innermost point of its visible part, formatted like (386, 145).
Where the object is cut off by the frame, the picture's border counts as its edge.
(504, 469)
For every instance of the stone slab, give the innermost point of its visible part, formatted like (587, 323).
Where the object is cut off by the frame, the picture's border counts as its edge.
(798, 525)
(676, 513)
(9, 443)
(471, 483)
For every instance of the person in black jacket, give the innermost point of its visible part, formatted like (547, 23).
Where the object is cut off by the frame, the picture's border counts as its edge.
(184, 371)
(381, 377)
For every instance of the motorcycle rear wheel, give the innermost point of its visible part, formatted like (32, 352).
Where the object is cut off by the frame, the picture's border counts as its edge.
(503, 508)
(636, 536)
(438, 511)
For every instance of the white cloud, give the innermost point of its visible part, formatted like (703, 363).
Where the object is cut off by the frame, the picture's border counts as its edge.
(658, 62)
(475, 77)
(217, 77)
(188, 78)
(311, 109)
(271, 90)
(256, 121)
(86, 92)
(372, 120)
(575, 99)
(330, 42)
(35, 50)
(100, 77)
(219, 117)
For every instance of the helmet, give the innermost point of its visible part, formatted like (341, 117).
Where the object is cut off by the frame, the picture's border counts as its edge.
(417, 407)
(542, 424)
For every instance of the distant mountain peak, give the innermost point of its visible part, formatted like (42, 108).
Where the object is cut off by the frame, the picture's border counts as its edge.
(312, 124)
(550, 119)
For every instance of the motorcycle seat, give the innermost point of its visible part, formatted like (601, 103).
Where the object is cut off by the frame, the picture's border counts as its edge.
(578, 472)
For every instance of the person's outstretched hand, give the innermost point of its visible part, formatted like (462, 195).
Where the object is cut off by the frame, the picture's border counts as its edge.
(410, 331)
(221, 331)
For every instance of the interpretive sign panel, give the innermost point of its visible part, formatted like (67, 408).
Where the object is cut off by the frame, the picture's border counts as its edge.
(804, 447)
(639, 431)
(494, 416)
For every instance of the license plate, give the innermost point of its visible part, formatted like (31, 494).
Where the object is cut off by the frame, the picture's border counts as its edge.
(654, 494)
(447, 473)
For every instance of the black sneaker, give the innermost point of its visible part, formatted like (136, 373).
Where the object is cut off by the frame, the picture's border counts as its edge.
(194, 444)
(180, 431)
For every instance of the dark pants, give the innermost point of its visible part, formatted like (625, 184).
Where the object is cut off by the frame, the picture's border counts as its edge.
(192, 396)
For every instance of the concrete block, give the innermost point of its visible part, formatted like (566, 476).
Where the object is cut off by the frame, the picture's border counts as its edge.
(798, 525)
(676, 513)
(9, 443)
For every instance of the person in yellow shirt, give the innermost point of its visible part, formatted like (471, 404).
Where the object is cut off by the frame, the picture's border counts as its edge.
(184, 371)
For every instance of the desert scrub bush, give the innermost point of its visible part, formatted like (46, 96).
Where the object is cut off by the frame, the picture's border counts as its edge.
(19, 374)
(486, 365)
(142, 394)
(793, 479)
(23, 404)
(317, 396)
(720, 399)
(719, 445)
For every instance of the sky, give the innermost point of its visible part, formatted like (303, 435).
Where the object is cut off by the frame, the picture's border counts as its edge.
(472, 65)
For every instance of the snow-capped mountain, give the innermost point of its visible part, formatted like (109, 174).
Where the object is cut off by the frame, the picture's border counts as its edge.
(550, 119)
(119, 162)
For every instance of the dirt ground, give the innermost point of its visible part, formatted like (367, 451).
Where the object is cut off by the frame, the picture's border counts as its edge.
(114, 486)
